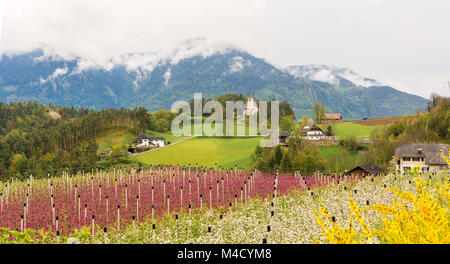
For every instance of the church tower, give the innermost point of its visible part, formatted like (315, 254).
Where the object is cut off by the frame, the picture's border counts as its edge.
(251, 108)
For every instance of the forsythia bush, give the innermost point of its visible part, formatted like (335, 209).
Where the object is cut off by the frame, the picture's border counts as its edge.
(335, 234)
(412, 219)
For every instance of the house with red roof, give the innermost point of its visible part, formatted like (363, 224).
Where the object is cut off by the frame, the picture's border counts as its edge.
(332, 118)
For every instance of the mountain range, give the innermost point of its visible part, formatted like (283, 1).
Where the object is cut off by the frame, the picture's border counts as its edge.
(156, 80)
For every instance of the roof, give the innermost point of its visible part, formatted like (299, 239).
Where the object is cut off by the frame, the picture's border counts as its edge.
(137, 143)
(368, 167)
(284, 134)
(141, 137)
(430, 151)
(333, 116)
(311, 128)
(156, 138)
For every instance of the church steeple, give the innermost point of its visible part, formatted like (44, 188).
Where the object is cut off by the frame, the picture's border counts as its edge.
(251, 107)
(250, 98)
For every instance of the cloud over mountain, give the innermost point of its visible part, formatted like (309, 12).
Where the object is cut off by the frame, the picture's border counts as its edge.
(157, 79)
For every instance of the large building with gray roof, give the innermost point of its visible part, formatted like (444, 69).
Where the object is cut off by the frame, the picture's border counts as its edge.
(427, 155)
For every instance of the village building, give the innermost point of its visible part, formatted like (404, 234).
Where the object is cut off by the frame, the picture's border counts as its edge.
(251, 107)
(365, 170)
(158, 141)
(332, 118)
(283, 135)
(313, 132)
(426, 155)
(143, 141)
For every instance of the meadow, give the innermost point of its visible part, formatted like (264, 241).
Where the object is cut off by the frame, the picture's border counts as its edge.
(123, 136)
(349, 129)
(362, 128)
(204, 151)
(330, 151)
(382, 121)
(212, 151)
(114, 137)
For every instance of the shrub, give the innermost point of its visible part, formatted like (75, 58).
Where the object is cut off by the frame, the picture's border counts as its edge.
(351, 144)
(422, 218)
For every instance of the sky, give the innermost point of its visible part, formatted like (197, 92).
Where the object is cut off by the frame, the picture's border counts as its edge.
(404, 43)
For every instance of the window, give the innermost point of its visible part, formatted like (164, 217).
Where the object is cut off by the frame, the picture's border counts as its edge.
(406, 168)
(406, 159)
(417, 159)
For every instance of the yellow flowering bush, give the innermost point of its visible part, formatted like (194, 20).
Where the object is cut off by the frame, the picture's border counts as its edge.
(335, 234)
(421, 218)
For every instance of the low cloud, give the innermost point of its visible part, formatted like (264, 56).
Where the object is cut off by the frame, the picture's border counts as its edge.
(167, 76)
(58, 72)
(324, 76)
(374, 38)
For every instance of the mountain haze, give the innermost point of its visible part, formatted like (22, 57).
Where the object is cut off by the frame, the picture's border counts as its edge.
(157, 80)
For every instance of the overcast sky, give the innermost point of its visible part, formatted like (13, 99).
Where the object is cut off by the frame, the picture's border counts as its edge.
(405, 43)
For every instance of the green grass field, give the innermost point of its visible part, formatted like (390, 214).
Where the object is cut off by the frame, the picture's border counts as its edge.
(347, 129)
(124, 136)
(330, 151)
(335, 153)
(363, 128)
(241, 127)
(205, 151)
(114, 137)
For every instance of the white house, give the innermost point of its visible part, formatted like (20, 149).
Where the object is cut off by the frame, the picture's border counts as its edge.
(313, 132)
(251, 108)
(144, 141)
(428, 156)
(158, 141)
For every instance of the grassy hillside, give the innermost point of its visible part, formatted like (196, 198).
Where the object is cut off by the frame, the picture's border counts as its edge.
(347, 129)
(205, 151)
(381, 121)
(114, 137)
(362, 128)
(124, 136)
(330, 151)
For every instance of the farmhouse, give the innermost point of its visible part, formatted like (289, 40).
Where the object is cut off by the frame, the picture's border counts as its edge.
(426, 155)
(365, 169)
(312, 132)
(144, 141)
(251, 107)
(331, 118)
(283, 138)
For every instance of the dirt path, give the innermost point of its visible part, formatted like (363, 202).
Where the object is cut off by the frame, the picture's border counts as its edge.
(166, 146)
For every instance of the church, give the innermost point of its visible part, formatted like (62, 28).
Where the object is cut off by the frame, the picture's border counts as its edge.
(251, 107)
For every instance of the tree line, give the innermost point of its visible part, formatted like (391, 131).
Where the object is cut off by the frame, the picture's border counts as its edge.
(432, 126)
(37, 139)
